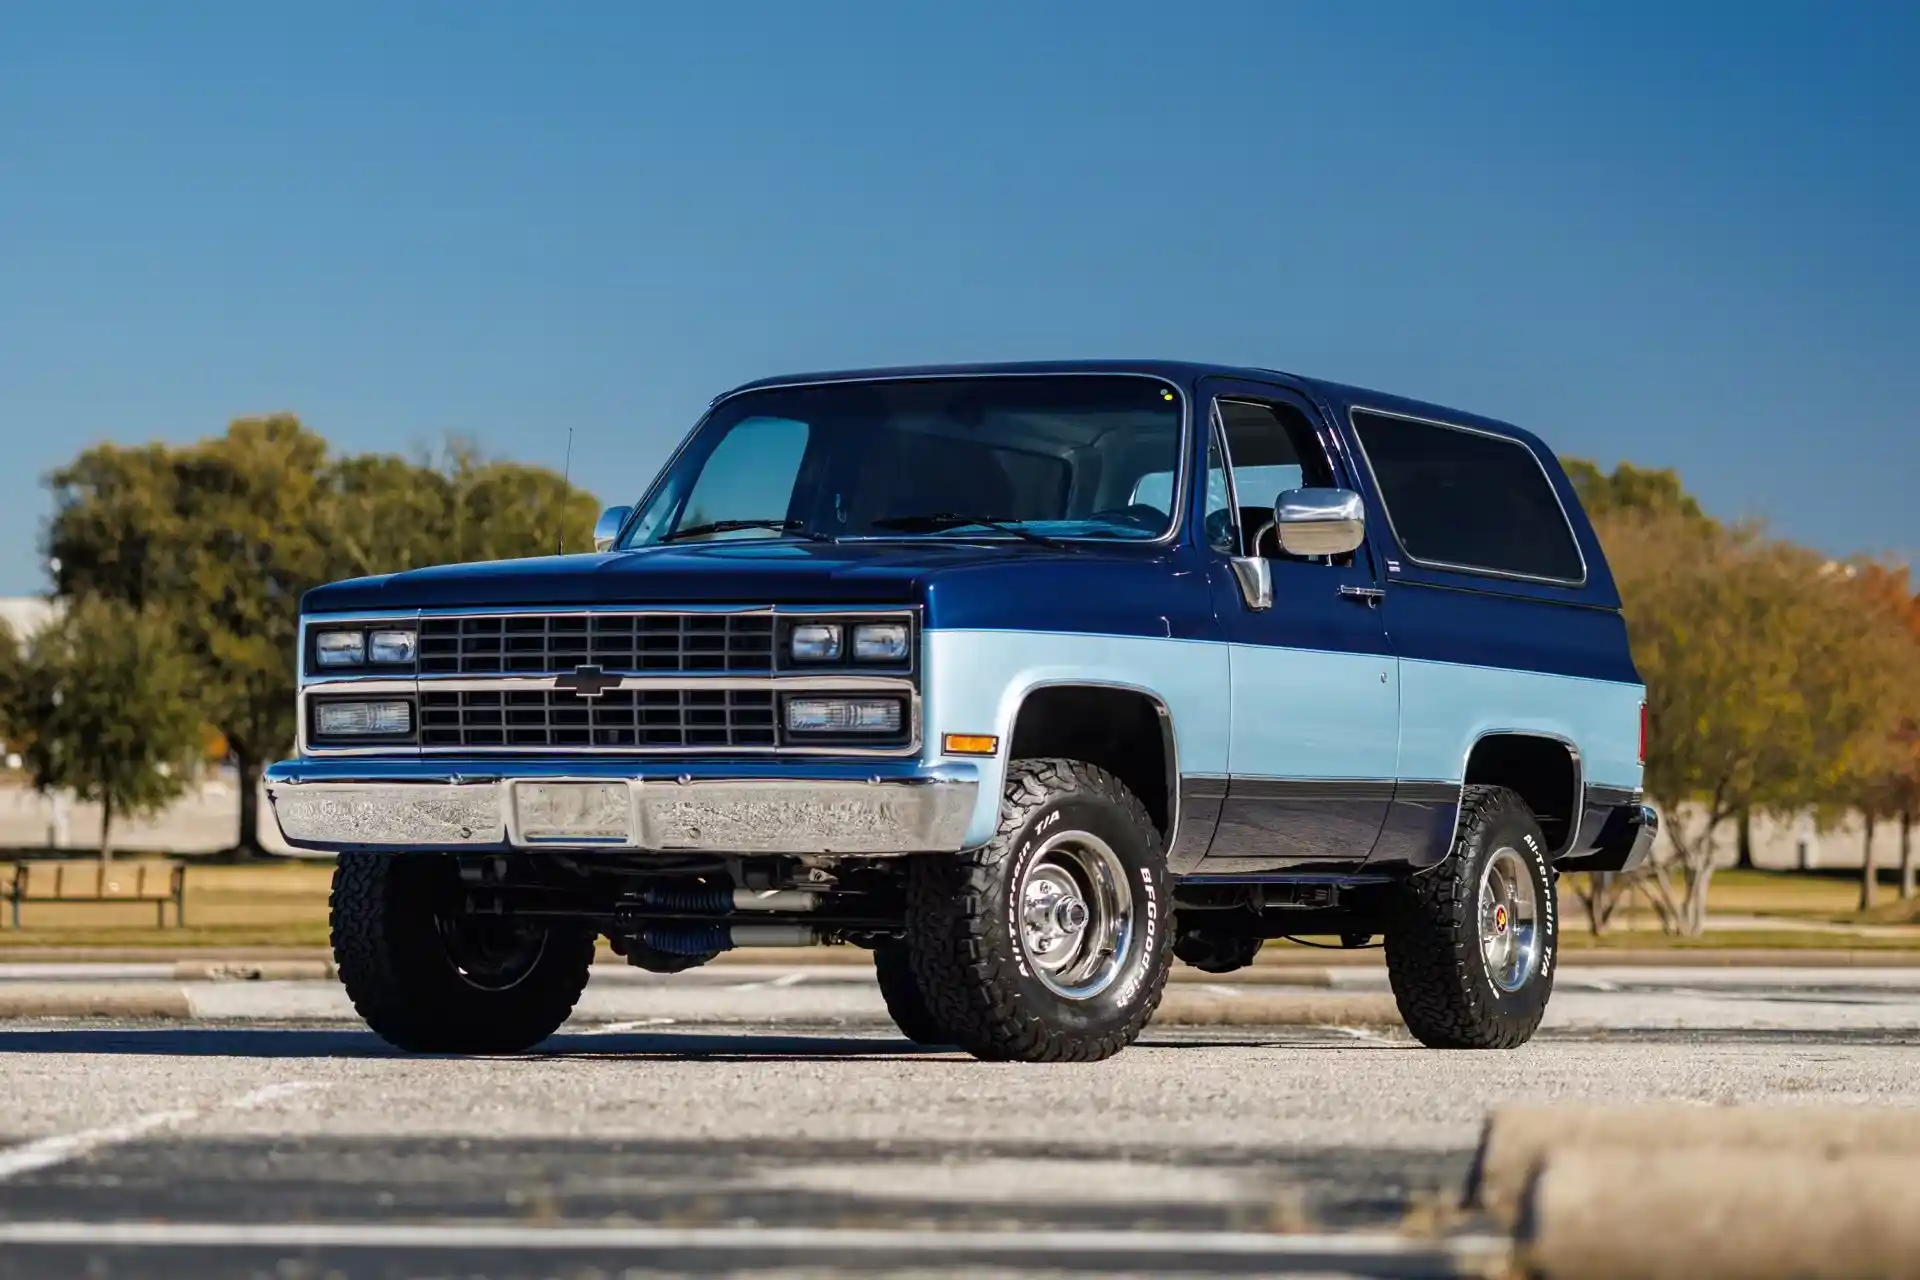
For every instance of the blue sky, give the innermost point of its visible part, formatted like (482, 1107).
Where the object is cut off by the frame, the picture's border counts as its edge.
(1681, 235)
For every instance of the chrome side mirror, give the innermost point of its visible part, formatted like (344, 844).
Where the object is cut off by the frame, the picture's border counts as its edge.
(1319, 522)
(1255, 576)
(606, 530)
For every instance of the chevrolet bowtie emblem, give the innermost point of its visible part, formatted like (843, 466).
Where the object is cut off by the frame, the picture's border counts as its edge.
(587, 682)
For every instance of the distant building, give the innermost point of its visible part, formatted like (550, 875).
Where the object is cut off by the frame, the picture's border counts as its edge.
(24, 615)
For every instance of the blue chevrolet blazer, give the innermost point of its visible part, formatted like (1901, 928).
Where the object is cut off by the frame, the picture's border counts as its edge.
(1029, 679)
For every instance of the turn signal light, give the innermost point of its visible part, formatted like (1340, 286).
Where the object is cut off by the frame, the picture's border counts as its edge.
(970, 744)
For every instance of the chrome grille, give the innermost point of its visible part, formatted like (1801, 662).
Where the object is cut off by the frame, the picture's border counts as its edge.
(553, 643)
(637, 719)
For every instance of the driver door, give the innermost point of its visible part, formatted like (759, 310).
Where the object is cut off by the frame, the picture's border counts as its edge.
(1314, 717)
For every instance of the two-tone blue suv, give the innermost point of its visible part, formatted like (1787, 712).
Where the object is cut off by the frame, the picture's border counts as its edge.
(1026, 678)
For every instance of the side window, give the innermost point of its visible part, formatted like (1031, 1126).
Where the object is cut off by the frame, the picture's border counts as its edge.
(1469, 500)
(1273, 448)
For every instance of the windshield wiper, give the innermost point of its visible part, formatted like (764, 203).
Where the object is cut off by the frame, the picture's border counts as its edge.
(943, 521)
(797, 527)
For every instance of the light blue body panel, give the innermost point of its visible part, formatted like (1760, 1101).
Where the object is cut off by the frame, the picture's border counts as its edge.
(975, 682)
(1307, 713)
(1446, 707)
(1300, 714)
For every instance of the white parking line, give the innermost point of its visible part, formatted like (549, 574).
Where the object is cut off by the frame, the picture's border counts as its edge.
(616, 1028)
(783, 981)
(830, 1240)
(43, 1153)
(63, 1147)
(273, 1093)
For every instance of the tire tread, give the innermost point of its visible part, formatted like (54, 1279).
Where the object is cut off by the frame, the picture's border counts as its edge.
(1429, 950)
(971, 983)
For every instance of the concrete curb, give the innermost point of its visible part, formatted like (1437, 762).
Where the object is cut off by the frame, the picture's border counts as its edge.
(254, 970)
(1738, 1214)
(1518, 1142)
(76, 1000)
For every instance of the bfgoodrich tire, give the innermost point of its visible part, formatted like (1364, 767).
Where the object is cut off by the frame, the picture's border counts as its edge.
(429, 980)
(901, 990)
(1052, 942)
(1472, 949)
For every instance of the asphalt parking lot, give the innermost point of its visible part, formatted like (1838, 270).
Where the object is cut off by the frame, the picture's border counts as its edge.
(756, 1121)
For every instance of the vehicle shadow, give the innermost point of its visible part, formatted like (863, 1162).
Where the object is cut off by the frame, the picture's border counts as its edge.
(318, 1042)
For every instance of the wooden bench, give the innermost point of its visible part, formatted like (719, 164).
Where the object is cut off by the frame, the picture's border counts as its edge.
(91, 882)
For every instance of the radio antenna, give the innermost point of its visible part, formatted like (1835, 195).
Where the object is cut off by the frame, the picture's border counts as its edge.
(566, 488)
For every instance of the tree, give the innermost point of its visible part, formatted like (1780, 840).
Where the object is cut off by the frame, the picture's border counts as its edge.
(107, 698)
(1882, 778)
(393, 514)
(1764, 689)
(1632, 491)
(226, 535)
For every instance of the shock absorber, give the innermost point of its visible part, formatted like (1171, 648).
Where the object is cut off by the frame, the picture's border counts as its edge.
(689, 938)
(719, 900)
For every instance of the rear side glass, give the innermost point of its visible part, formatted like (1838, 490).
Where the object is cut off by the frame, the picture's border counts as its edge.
(1468, 500)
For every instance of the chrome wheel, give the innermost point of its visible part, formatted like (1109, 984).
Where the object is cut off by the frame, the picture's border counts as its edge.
(1075, 915)
(1509, 920)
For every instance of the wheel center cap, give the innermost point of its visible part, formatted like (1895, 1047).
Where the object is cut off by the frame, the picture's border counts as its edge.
(1070, 916)
(1500, 919)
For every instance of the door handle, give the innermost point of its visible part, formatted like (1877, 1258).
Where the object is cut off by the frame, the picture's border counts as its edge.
(1369, 596)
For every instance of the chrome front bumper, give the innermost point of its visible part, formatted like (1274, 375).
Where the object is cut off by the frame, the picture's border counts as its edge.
(869, 809)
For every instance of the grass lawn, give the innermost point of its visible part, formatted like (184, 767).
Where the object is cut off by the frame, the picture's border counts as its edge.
(277, 903)
(283, 902)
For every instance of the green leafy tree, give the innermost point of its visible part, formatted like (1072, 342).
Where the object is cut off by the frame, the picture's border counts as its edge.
(227, 535)
(1628, 490)
(394, 514)
(108, 701)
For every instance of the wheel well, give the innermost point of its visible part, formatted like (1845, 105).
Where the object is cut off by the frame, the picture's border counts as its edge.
(1542, 771)
(1120, 730)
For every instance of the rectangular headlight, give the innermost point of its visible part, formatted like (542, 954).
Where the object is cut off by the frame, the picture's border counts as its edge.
(392, 648)
(362, 719)
(880, 642)
(817, 642)
(340, 648)
(844, 715)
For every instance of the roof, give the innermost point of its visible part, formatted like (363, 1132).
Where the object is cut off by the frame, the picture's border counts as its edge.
(1339, 396)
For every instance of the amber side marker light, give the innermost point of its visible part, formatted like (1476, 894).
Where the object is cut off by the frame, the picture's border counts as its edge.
(970, 744)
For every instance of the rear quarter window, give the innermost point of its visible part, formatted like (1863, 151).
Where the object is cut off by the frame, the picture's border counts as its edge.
(1467, 499)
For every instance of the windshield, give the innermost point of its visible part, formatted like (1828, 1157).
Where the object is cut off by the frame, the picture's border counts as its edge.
(1038, 458)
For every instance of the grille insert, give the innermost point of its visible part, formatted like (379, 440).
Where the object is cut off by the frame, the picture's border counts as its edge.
(632, 718)
(550, 644)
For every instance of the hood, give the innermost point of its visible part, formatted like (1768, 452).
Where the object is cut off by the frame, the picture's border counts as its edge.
(755, 572)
